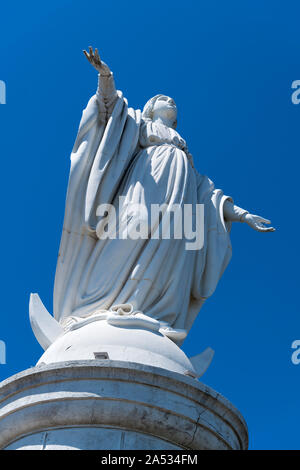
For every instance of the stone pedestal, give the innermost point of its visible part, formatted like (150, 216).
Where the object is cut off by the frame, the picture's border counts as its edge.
(109, 404)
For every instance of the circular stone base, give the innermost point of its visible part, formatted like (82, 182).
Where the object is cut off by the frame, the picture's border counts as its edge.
(114, 405)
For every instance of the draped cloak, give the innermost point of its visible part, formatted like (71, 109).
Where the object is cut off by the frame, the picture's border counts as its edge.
(144, 162)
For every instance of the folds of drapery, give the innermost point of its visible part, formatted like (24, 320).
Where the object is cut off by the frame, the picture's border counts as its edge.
(101, 154)
(212, 260)
(156, 276)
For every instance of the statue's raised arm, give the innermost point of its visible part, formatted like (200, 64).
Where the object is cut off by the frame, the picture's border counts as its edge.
(106, 91)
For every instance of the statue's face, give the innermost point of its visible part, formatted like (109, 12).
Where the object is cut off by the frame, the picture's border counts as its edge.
(165, 108)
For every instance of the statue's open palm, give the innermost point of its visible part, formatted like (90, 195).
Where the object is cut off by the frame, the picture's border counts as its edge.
(258, 223)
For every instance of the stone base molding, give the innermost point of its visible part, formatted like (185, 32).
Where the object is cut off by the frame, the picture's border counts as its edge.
(107, 405)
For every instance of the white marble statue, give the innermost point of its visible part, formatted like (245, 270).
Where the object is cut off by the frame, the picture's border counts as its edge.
(140, 157)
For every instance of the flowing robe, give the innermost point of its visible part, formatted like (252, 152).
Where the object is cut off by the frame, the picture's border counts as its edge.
(144, 162)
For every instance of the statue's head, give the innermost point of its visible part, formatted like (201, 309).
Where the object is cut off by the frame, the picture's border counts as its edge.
(161, 106)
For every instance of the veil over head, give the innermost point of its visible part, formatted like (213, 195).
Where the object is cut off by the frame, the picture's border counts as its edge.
(148, 108)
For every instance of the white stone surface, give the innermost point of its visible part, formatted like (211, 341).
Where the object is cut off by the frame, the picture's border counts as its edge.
(91, 438)
(44, 325)
(202, 361)
(71, 404)
(130, 344)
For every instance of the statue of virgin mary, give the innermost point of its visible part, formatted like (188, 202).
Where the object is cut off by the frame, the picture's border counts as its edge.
(125, 157)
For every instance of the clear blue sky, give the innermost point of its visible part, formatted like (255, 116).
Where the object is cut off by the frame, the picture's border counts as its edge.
(229, 66)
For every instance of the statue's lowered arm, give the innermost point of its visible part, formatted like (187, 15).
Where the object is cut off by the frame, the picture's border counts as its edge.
(233, 213)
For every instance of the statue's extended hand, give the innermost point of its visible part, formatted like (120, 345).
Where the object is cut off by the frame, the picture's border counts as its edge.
(94, 59)
(258, 223)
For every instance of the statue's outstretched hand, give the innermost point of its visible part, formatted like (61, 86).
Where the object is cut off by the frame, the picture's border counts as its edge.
(94, 59)
(258, 223)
